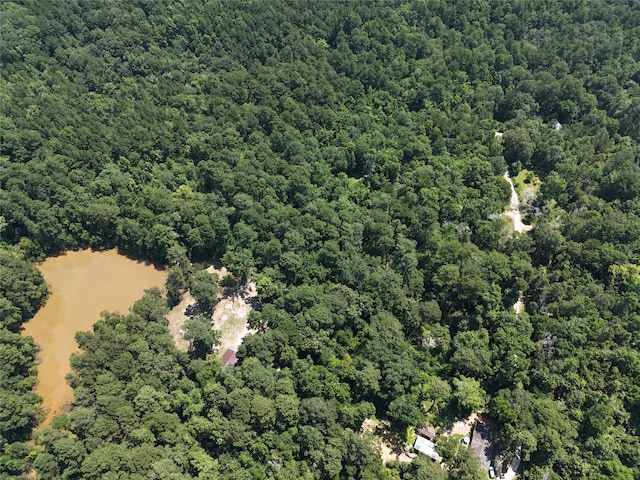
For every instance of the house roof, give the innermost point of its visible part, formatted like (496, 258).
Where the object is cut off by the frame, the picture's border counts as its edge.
(427, 447)
(428, 432)
(229, 357)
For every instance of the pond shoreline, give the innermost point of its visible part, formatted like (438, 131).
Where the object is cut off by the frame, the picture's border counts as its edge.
(82, 283)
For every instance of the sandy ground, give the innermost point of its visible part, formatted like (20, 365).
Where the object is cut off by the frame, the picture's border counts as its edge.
(463, 427)
(390, 448)
(513, 212)
(177, 318)
(229, 316)
(519, 306)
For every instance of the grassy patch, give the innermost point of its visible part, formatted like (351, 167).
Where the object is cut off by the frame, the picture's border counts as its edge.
(525, 181)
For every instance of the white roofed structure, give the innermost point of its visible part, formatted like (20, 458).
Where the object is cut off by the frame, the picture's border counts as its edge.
(427, 447)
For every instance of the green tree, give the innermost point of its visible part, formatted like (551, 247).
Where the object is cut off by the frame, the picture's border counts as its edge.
(22, 290)
(471, 354)
(201, 335)
(469, 395)
(405, 412)
(204, 288)
(436, 393)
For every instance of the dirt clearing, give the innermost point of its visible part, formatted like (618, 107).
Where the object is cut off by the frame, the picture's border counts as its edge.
(463, 427)
(176, 317)
(513, 213)
(230, 314)
(230, 317)
(390, 447)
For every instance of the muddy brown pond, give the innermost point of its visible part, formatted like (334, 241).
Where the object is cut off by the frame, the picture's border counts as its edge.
(81, 284)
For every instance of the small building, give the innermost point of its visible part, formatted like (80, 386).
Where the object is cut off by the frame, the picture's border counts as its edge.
(427, 447)
(229, 357)
(428, 432)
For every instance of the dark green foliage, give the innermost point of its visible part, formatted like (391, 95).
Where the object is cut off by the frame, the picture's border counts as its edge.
(22, 293)
(343, 155)
(22, 290)
(200, 335)
(204, 288)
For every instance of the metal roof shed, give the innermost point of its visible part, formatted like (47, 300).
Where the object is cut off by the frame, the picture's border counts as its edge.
(427, 447)
(229, 358)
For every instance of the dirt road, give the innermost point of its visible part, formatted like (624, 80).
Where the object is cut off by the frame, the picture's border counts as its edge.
(514, 209)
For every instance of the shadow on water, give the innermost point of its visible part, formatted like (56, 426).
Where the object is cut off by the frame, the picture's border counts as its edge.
(159, 266)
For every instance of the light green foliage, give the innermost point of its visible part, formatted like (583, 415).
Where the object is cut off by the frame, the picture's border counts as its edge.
(469, 394)
(436, 393)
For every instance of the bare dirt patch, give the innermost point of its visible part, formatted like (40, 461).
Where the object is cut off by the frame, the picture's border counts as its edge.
(390, 447)
(513, 213)
(463, 427)
(176, 317)
(519, 306)
(232, 312)
(230, 317)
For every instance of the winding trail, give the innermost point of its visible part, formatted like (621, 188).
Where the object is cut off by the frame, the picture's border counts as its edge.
(514, 209)
(514, 214)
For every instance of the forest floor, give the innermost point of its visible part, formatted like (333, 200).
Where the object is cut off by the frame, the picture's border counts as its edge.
(229, 316)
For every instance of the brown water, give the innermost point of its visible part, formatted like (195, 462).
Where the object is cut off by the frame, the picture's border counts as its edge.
(81, 284)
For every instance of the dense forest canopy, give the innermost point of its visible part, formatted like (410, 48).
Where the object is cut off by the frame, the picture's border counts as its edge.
(344, 156)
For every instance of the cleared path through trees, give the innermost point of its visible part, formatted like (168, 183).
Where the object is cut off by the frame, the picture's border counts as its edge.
(514, 209)
(513, 213)
(518, 226)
